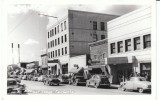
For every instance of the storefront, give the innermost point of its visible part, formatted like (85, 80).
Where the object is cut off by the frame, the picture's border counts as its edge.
(54, 67)
(65, 68)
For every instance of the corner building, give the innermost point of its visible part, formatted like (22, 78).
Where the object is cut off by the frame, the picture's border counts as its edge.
(129, 44)
(70, 36)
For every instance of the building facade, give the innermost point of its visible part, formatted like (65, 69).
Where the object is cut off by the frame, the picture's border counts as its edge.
(129, 44)
(99, 52)
(70, 36)
(44, 66)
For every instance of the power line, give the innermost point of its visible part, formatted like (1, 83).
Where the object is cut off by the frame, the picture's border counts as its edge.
(22, 21)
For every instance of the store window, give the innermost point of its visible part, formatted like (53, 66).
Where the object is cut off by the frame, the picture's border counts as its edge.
(147, 41)
(128, 45)
(113, 48)
(137, 43)
(120, 46)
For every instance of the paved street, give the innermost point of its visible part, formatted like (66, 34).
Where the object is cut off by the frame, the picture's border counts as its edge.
(34, 87)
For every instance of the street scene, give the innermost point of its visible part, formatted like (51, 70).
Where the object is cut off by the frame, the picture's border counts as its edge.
(76, 50)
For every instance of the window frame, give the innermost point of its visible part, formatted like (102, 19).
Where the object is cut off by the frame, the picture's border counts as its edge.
(137, 43)
(127, 45)
(145, 42)
(102, 24)
(94, 25)
(120, 46)
(113, 48)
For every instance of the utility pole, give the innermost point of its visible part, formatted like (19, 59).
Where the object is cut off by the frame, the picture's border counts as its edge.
(12, 55)
(19, 52)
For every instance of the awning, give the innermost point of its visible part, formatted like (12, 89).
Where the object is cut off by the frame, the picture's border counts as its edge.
(95, 66)
(29, 70)
(118, 60)
(52, 64)
(75, 70)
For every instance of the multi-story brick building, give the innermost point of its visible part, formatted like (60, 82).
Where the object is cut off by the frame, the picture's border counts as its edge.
(70, 36)
(129, 44)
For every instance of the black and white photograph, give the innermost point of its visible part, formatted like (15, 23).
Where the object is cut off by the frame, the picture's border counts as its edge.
(80, 49)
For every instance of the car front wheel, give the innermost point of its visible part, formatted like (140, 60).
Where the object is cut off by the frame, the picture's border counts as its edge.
(140, 90)
(123, 89)
(96, 85)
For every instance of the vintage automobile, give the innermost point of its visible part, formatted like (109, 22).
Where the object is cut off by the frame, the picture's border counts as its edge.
(42, 77)
(64, 79)
(34, 78)
(16, 78)
(77, 79)
(97, 81)
(51, 80)
(136, 83)
(29, 77)
(24, 77)
(14, 87)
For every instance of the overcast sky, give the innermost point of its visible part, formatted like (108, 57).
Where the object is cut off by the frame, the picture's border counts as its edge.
(27, 28)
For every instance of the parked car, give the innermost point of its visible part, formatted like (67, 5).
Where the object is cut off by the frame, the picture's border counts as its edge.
(77, 79)
(97, 81)
(24, 77)
(29, 77)
(34, 78)
(42, 77)
(136, 83)
(51, 80)
(16, 78)
(14, 87)
(64, 78)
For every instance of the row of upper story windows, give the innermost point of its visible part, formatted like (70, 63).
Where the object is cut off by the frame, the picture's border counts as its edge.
(57, 29)
(58, 52)
(127, 45)
(102, 26)
(57, 41)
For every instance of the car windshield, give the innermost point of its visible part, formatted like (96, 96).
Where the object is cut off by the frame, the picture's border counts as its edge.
(142, 79)
(11, 83)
